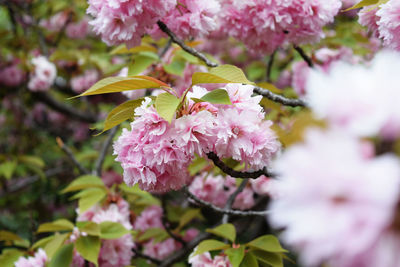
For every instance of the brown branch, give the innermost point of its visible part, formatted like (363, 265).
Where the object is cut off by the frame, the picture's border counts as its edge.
(232, 198)
(237, 174)
(71, 156)
(67, 110)
(103, 152)
(279, 99)
(306, 58)
(188, 49)
(269, 66)
(246, 213)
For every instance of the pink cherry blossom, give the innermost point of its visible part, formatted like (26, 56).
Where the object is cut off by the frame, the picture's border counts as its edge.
(116, 252)
(38, 260)
(205, 260)
(43, 75)
(265, 25)
(81, 83)
(191, 18)
(368, 18)
(12, 75)
(369, 107)
(210, 188)
(389, 24)
(149, 218)
(245, 137)
(126, 21)
(150, 154)
(332, 201)
(161, 250)
(261, 185)
(78, 30)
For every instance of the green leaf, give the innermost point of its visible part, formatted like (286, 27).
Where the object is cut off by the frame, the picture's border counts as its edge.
(209, 245)
(217, 96)
(83, 182)
(9, 257)
(63, 257)
(32, 160)
(7, 169)
(273, 259)
(166, 105)
(9, 236)
(52, 246)
(120, 84)
(249, 260)
(42, 242)
(121, 113)
(227, 231)
(267, 243)
(188, 216)
(363, 3)
(221, 74)
(235, 255)
(186, 56)
(176, 67)
(156, 233)
(88, 247)
(89, 197)
(91, 228)
(58, 225)
(112, 230)
(141, 62)
(141, 48)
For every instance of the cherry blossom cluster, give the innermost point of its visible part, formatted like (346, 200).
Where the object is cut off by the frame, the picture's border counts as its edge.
(266, 25)
(205, 260)
(191, 18)
(155, 154)
(384, 22)
(325, 58)
(11, 74)
(37, 260)
(113, 252)
(151, 218)
(126, 21)
(81, 83)
(43, 75)
(217, 189)
(338, 193)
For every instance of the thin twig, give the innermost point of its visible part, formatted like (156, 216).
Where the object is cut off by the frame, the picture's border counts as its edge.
(237, 174)
(306, 58)
(188, 49)
(17, 184)
(71, 156)
(166, 224)
(165, 49)
(232, 198)
(269, 66)
(67, 110)
(224, 211)
(279, 99)
(103, 152)
(144, 256)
